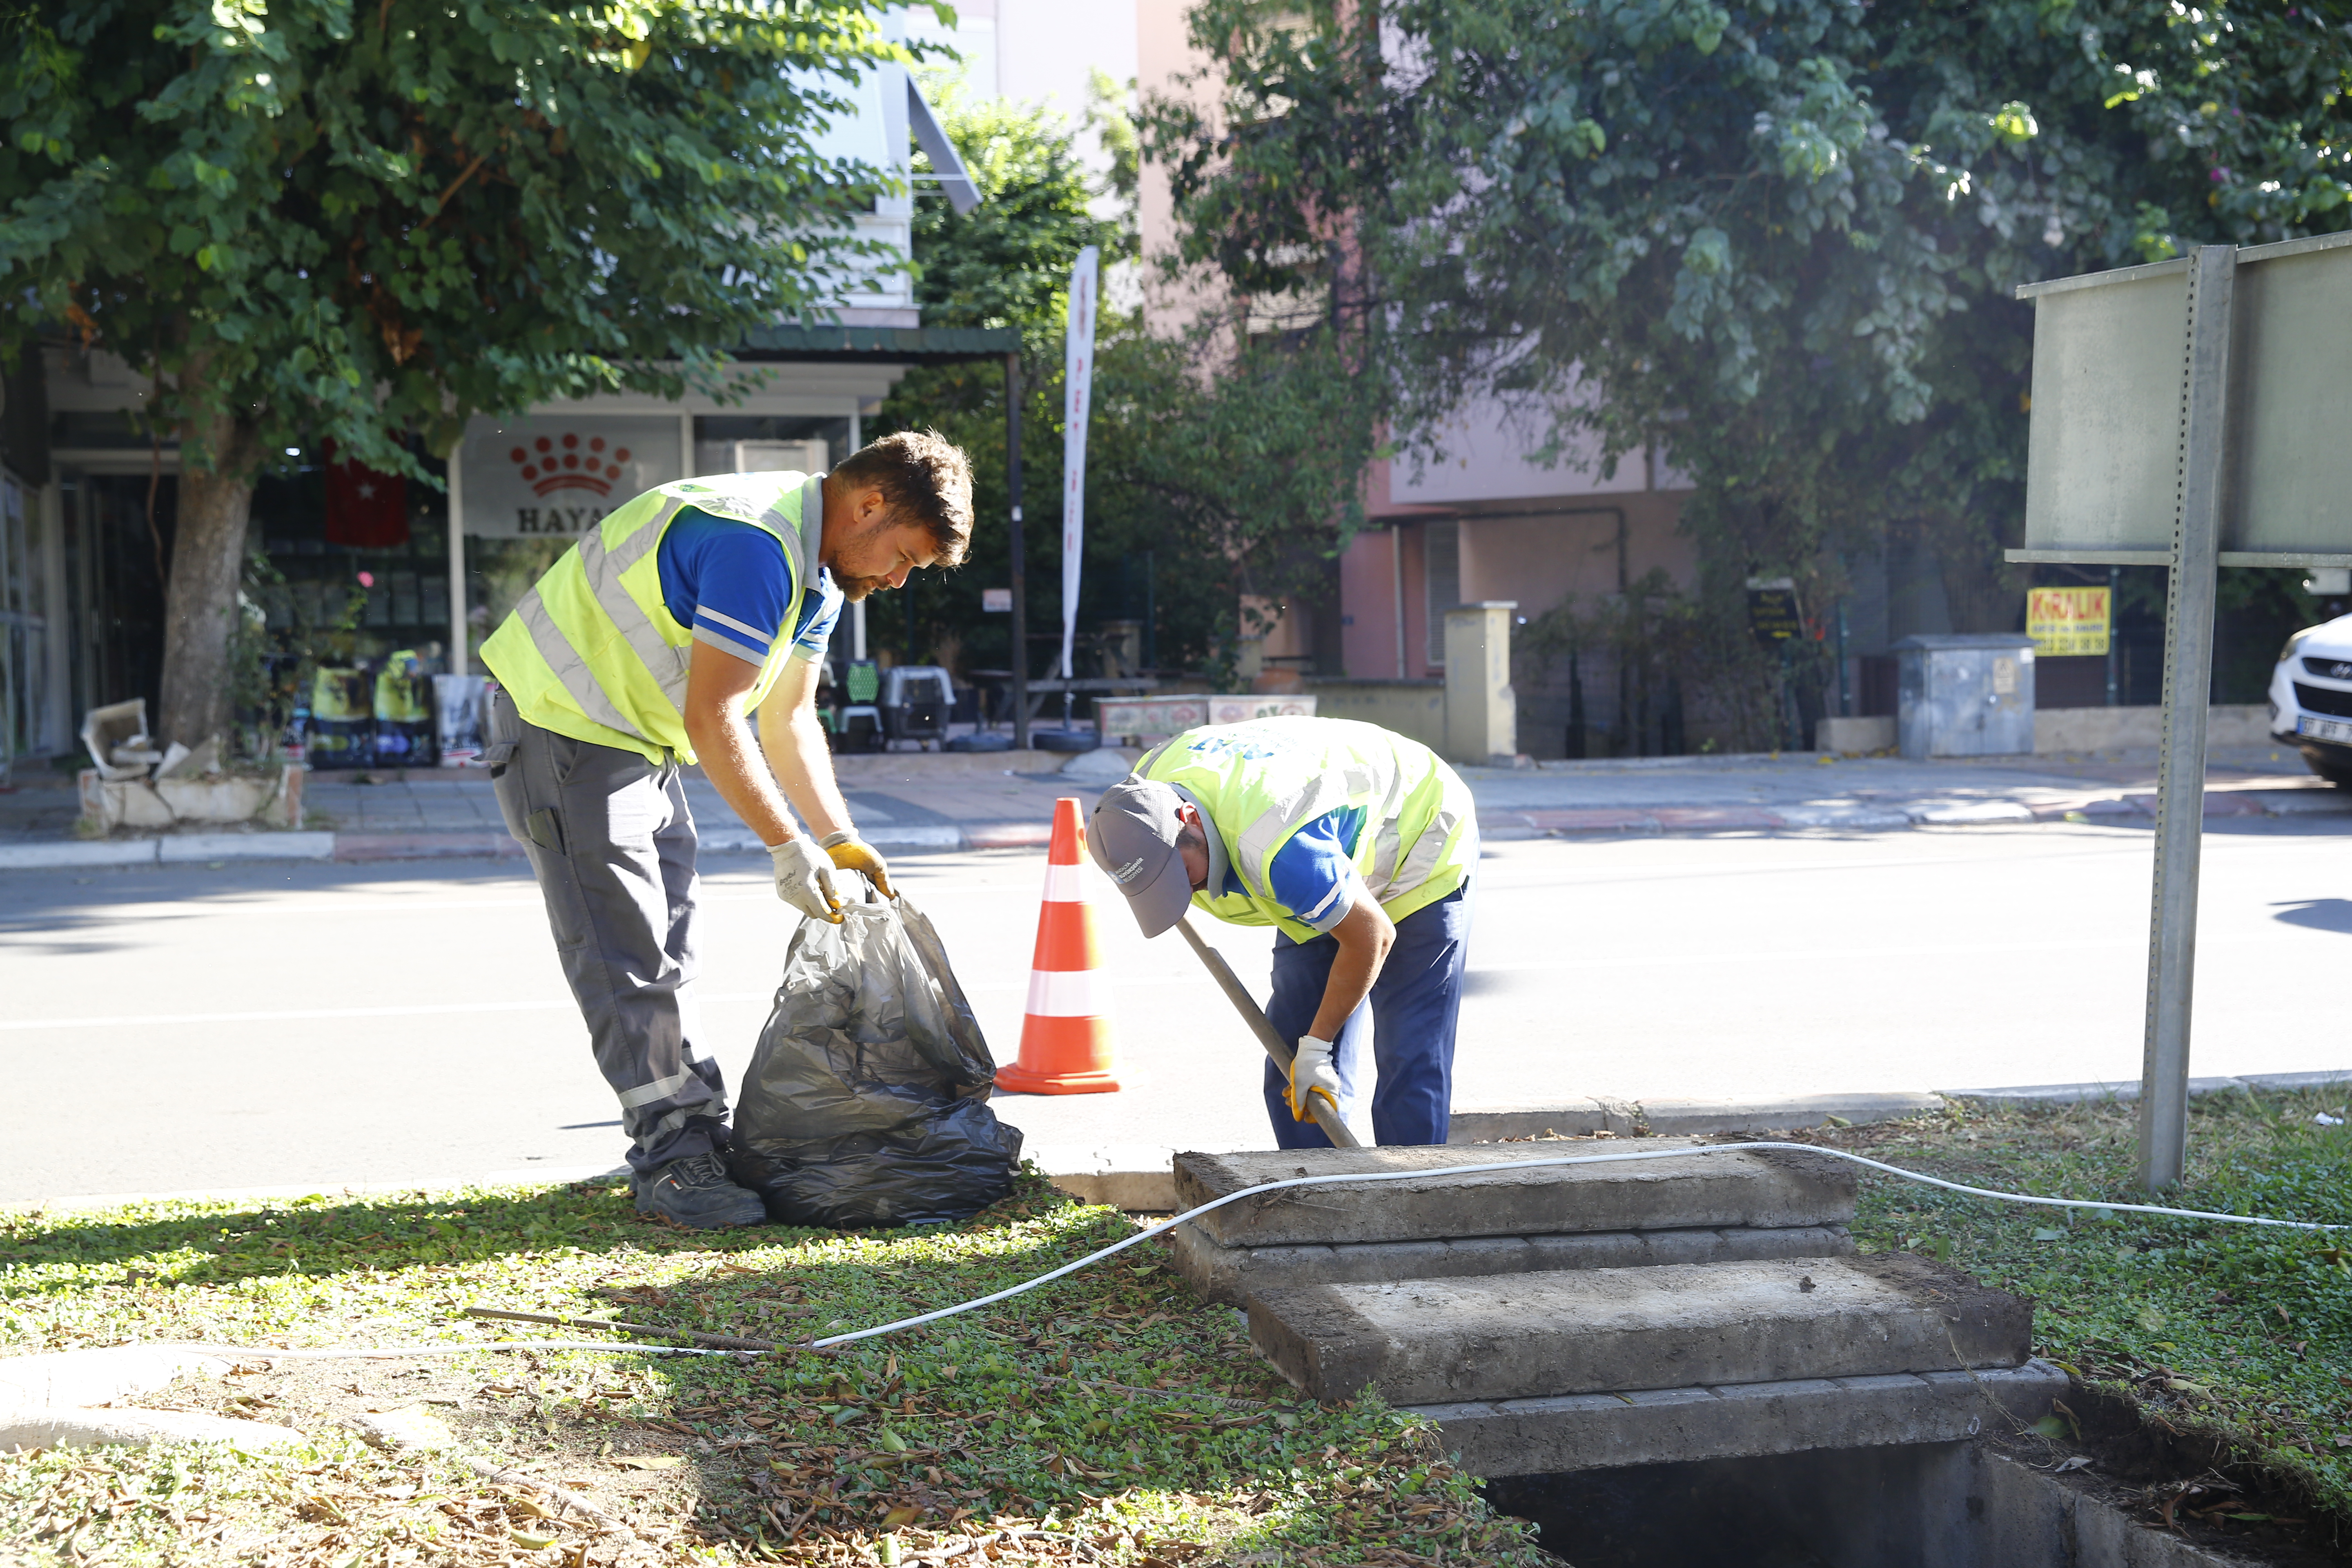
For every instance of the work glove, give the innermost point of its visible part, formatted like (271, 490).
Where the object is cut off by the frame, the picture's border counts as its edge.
(1311, 1073)
(851, 853)
(804, 879)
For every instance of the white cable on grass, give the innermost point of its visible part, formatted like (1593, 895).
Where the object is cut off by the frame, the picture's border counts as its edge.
(1613, 1156)
(1624, 1154)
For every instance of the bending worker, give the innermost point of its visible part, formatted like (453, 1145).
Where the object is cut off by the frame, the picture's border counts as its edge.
(641, 650)
(1356, 844)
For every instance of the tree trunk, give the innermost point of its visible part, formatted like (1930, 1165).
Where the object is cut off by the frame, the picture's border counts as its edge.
(1983, 592)
(207, 564)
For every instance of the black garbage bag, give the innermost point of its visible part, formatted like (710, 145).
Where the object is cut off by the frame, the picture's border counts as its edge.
(866, 1099)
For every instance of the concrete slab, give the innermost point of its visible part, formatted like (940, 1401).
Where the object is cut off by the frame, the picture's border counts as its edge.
(1768, 1188)
(1602, 1329)
(1233, 1274)
(1600, 1431)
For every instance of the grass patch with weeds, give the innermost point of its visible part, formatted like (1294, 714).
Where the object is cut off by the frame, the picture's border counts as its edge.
(1111, 1417)
(2237, 1335)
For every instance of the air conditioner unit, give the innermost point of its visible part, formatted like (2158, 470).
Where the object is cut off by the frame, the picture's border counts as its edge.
(782, 457)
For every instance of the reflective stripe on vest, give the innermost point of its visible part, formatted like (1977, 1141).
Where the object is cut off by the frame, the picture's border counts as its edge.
(591, 652)
(1259, 782)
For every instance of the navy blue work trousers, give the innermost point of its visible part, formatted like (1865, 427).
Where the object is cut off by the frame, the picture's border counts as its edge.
(1409, 1017)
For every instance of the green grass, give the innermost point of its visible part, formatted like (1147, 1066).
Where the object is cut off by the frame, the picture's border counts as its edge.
(2236, 1335)
(1002, 1420)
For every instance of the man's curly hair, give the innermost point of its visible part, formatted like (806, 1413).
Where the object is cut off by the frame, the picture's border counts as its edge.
(924, 478)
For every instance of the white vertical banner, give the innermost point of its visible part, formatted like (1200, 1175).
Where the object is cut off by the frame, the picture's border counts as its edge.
(1077, 399)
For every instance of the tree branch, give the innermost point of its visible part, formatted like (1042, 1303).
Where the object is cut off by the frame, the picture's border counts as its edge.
(478, 159)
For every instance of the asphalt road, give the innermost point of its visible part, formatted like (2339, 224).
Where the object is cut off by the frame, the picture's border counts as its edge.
(184, 1028)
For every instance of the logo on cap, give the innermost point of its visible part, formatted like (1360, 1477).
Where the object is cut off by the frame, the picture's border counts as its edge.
(1126, 873)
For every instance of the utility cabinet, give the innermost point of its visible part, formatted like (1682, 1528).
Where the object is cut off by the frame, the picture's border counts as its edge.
(1964, 694)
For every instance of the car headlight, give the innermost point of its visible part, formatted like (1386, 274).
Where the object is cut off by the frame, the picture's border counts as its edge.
(2294, 642)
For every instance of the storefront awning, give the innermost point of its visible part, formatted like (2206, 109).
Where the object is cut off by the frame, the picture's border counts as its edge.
(896, 346)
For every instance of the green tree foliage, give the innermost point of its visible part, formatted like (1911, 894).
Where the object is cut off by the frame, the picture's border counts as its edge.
(1007, 262)
(1778, 236)
(310, 221)
(1232, 468)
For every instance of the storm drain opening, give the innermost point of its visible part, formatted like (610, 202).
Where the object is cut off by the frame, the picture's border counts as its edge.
(1927, 1505)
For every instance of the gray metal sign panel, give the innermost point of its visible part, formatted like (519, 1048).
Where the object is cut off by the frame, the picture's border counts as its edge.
(2103, 456)
(2288, 488)
(2104, 452)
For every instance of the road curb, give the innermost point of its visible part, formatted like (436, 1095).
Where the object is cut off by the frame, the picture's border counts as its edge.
(167, 849)
(2079, 1093)
(94, 852)
(1540, 822)
(366, 848)
(1680, 1118)
(360, 848)
(1008, 836)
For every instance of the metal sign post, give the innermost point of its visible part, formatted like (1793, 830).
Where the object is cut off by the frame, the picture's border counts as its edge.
(2188, 692)
(2204, 389)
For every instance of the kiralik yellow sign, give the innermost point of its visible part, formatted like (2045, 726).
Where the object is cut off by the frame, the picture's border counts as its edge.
(2067, 622)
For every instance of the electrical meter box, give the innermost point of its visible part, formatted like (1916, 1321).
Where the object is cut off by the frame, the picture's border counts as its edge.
(1963, 694)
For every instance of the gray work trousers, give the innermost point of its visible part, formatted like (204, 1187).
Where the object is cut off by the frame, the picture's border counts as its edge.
(612, 843)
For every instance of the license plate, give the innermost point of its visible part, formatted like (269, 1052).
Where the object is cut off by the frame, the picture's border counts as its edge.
(2324, 728)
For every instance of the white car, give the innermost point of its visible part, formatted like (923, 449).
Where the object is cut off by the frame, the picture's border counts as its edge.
(2311, 698)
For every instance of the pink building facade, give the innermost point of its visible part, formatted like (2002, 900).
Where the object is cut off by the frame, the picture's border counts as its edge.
(1483, 522)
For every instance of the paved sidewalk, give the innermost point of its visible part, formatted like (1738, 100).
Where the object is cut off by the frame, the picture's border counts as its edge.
(912, 803)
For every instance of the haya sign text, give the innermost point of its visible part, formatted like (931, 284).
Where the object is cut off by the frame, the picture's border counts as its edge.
(557, 476)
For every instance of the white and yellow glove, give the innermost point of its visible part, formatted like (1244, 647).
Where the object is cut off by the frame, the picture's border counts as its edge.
(804, 879)
(1311, 1073)
(851, 853)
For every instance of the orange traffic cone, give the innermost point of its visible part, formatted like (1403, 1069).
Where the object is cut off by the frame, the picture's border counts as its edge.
(1066, 1038)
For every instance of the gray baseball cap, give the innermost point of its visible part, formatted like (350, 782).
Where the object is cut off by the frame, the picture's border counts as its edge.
(1132, 837)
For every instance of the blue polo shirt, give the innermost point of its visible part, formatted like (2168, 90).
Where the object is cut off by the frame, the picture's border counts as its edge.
(1314, 876)
(728, 581)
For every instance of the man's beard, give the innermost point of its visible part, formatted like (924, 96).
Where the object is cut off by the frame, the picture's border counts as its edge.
(856, 588)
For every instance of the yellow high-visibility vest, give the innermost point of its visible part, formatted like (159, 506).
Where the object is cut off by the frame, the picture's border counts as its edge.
(592, 652)
(1259, 782)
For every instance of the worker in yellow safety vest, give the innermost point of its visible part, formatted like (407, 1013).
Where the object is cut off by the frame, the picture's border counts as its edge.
(1358, 846)
(643, 649)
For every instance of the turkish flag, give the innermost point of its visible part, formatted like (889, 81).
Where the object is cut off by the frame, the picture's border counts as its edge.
(365, 510)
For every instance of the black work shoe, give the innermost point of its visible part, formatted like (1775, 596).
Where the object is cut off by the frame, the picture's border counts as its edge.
(696, 1193)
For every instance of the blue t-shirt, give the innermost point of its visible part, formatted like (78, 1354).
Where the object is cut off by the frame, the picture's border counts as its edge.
(730, 582)
(1314, 875)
